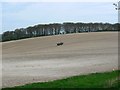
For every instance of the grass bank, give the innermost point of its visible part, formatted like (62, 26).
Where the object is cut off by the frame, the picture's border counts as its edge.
(95, 80)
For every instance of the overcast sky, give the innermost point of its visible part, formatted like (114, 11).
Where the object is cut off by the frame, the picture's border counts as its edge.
(24, 14)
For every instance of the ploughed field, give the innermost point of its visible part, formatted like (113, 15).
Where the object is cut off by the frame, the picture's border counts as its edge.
(40, 59)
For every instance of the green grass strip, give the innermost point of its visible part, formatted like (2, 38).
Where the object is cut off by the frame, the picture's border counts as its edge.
(94, 80)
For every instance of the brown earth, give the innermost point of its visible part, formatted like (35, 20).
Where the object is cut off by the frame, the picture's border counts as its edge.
(39, 59)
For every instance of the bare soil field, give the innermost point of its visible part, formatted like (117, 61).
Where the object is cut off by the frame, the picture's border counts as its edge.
(40, 59)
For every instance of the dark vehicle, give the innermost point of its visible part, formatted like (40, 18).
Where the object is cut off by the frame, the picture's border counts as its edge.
(59, 43)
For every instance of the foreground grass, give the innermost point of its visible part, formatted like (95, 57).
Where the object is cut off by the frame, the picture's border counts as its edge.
(96, 80)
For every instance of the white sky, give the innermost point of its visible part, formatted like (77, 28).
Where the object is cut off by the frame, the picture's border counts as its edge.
(23, 14)
(59, 0)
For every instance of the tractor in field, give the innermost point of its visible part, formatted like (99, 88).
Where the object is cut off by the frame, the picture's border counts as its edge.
(59, 43)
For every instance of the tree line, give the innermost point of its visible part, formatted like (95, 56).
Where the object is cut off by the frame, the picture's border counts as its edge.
(57, 28)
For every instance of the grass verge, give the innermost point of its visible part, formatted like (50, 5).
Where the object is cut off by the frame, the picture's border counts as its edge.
(94, 80)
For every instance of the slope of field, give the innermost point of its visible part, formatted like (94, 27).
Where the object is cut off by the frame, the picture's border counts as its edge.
(39, 59)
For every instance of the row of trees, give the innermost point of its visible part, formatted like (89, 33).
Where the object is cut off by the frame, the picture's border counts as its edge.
(56, 28)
